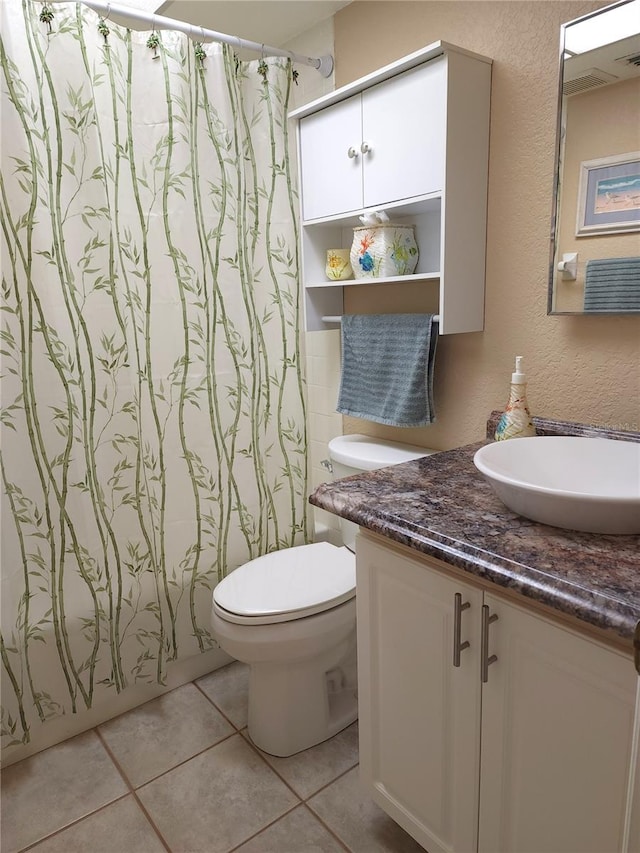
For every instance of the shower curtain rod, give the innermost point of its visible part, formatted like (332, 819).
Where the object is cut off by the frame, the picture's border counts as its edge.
(322, 64)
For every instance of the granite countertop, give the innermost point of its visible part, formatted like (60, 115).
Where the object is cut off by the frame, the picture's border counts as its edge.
(443, 507)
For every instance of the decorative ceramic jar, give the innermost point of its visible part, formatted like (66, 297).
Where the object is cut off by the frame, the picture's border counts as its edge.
(383, 251)
(338, 267)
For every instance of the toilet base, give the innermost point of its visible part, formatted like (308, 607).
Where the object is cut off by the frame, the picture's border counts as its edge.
(293, 708)
(302, 675)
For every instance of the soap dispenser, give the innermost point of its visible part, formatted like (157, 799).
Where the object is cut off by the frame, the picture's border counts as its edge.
(515, 421)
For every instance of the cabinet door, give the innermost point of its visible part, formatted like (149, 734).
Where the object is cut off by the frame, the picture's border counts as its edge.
(419, 715)
(404, 123)
(331, 180)
(557, 725)
(634, 792)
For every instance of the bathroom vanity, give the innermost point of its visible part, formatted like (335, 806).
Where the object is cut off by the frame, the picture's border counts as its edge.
(498, 677)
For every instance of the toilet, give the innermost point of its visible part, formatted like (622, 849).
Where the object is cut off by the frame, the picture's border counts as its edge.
(291, 615)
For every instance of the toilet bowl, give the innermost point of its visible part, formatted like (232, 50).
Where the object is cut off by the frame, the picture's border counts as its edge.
(291, 615)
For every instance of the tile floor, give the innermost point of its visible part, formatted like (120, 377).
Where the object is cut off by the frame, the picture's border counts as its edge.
(180, 774)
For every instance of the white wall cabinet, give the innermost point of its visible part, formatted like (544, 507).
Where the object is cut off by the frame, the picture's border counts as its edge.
(384, 144)
(411, 139)
(538, 758)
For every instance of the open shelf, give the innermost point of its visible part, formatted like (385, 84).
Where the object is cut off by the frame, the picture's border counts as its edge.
(396, 279)
(325, 297)
(338, 234)
(323, 302)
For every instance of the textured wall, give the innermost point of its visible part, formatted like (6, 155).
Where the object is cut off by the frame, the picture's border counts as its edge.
(582, 368)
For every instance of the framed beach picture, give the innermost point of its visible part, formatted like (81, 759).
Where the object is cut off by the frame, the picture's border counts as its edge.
(609, 195)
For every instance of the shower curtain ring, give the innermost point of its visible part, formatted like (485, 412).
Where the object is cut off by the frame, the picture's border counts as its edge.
(153, 42)
(262, 65)
(103, 29)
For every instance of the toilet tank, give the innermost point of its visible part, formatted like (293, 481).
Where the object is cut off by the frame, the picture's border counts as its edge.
(355, 454)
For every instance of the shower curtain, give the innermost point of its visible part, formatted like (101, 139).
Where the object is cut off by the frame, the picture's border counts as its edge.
(153, 418)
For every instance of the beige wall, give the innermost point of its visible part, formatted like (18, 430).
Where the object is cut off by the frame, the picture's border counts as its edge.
(579, 368)
(599, 123)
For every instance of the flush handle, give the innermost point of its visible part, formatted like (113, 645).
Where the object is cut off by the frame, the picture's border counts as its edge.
(458, 646)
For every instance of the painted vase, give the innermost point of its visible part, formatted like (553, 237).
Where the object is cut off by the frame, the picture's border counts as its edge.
(383, 251)
(338, 266)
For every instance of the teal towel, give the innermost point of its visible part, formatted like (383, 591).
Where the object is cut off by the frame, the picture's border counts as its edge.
(387, 368)
(612, 285)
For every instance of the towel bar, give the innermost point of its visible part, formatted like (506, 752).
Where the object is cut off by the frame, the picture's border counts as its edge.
(330, 318)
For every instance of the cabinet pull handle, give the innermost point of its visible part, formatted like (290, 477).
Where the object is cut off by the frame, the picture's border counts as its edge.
(458, 646)
(485, 660)
(352, 152)
(366, 148)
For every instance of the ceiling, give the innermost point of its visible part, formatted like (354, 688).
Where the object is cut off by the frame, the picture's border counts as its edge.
(609, 63)
(271, 22)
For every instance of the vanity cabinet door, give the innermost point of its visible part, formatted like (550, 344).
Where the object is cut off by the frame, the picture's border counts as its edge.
(557, 730)
(530, 745)
(419, 715)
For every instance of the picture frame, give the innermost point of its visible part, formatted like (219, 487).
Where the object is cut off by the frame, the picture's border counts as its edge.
(609, 195)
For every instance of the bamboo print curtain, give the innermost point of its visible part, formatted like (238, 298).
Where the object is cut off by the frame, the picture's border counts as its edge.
(153, 415)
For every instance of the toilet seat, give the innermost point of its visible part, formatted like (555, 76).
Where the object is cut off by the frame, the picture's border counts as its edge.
(287, 585)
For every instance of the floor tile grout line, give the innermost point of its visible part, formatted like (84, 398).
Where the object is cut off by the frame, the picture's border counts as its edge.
(152, 822)
(185, 761)
(93, 811)
(266, 827)
(256, 749)
(115, 761)
(328, 784)
(301, 802)
(218, 709)
(248, 740)
(132, 789)
(74, 822)
(133, 792)
(332, 832)
(96, 727)
(319, 791)
(315, 814)
(304, 800)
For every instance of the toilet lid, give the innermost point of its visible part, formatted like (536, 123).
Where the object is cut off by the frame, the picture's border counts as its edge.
(288, 584)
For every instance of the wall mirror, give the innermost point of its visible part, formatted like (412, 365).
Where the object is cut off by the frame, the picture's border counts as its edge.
(595, 245)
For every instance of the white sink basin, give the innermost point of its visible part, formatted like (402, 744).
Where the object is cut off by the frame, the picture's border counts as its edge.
(590, 484)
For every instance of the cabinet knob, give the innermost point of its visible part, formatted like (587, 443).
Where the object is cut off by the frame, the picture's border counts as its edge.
(366, 148)
(351, 153)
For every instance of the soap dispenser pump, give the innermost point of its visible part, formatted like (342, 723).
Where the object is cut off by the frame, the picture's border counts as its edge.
(515, 421)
